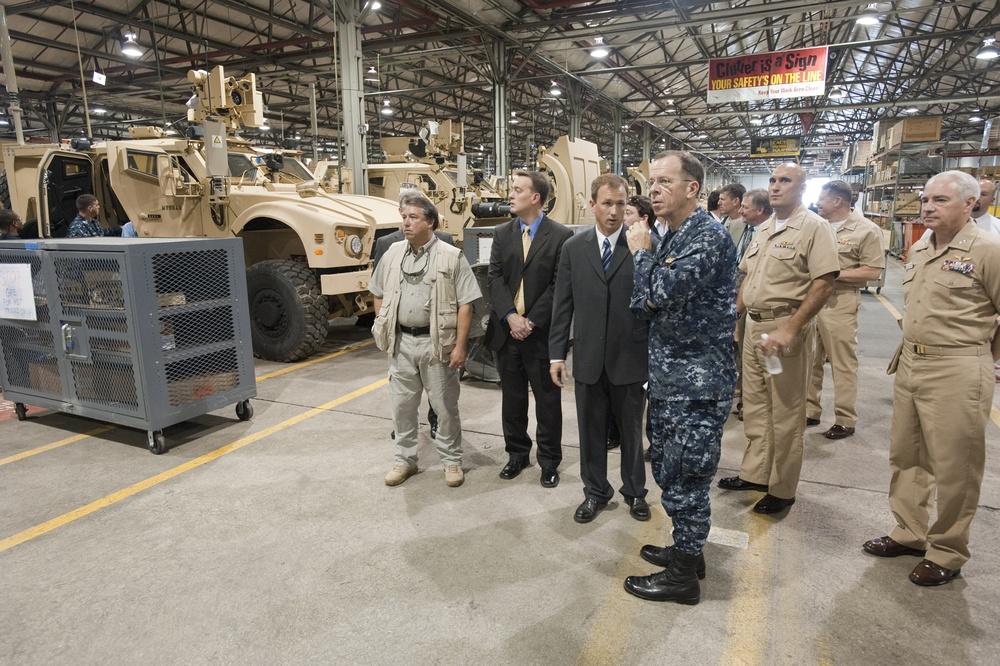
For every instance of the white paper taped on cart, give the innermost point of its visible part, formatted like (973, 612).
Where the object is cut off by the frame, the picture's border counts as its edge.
(17, 297)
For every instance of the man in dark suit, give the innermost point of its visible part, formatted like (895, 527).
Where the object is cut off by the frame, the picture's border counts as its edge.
(522, 274)
(610, 349)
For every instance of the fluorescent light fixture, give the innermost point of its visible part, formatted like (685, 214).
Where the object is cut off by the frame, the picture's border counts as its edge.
(4, 122)
(600, 51)
(869, 16)
(131, 48)
(911, 109)
(975, 119)
(989, 51)
(98, 111)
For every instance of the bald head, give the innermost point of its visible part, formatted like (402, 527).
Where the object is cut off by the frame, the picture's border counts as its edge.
(785, 188)
(987, 193)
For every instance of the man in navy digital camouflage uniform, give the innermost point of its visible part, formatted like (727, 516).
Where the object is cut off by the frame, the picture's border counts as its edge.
(687, 288)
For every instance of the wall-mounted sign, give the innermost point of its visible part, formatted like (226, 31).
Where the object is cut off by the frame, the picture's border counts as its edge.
(771, 147)
(780, 74)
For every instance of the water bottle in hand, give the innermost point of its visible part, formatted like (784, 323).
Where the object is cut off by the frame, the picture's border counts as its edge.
(771, 363)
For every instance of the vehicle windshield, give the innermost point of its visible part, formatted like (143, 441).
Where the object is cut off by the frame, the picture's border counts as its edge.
(295, 170)
(241, 166)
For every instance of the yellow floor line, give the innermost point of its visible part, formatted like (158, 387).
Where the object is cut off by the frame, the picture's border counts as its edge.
(889, 306)
(54, 445)
(136, 488)
(608, 638)
(748, 617)
(313, 361)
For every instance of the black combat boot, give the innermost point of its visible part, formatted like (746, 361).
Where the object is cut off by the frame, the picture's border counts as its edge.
(678, 582)
(663, 556)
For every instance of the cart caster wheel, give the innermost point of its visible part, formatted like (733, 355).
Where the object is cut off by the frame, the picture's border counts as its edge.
(21, 411)
(156, 442)
(879, 290)
(244, 410)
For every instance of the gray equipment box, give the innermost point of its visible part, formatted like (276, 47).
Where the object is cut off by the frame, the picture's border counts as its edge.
(142, 333)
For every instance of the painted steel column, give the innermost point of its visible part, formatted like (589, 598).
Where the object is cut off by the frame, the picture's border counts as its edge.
(353, 126)
(315, 123)
(574, 93)
(501, 113)
(616, 159)
(645, 142)
(11, 77)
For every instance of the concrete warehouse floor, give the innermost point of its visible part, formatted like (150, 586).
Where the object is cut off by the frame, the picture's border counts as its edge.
(275, 541)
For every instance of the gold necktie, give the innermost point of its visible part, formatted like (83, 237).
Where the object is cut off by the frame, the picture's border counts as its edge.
(519, 296)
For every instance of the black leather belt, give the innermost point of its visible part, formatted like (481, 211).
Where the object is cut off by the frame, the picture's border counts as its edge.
(415, 330)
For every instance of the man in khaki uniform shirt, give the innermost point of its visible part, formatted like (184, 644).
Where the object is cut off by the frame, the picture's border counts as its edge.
(944, 383)
(790, 265)
(862, 256)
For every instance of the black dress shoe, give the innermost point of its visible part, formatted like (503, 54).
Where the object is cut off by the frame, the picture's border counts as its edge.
(736, 483)
(613, 443)
(772, 504)
(889, 547)
(587, 511)
(664, 557)
(550, 477)
(812, 422)
(648, 455)
(513, 468)
(838, 432)
(929, 574)
(639, 510)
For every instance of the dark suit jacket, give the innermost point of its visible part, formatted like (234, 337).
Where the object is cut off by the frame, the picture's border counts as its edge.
(383, 243)
(507, 266)
(607, 335)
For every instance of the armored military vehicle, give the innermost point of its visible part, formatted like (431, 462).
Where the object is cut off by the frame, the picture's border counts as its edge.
(307, 251)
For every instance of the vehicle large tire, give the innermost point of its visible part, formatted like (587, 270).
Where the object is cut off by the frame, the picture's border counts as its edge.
(4, 189)
(288, 314)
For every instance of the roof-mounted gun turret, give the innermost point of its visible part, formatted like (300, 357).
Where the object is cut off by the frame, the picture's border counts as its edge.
(234, 102)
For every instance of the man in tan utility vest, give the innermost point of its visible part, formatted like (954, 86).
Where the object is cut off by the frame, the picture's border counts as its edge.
(790, 265)
(423, 291)
(944, 384)
(862, 256)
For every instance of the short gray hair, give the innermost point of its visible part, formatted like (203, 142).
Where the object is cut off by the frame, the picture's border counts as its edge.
(690, 165)
(407, 195)
(758, 199)
(967, 185)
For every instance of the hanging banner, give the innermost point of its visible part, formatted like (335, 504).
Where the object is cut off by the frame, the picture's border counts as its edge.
(767, 147)
(776, 75)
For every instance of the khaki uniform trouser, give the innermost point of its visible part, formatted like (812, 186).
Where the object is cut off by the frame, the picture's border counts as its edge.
(837, 328)
(413, 370)
(774, 409)
(941, 405)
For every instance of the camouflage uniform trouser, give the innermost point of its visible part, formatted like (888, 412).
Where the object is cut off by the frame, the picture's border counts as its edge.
(687, 443)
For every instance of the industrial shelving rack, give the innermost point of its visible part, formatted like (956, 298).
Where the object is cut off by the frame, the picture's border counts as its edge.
(142, 333)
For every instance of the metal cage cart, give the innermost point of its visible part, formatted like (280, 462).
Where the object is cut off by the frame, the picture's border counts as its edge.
(142, 333)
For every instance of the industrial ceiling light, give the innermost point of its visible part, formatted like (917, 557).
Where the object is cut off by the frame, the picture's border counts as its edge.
(836, 92)
(910, 109)
(869, 16)
(371, 74)
(756, 120)
(98, 111)
(601, 51)
(130, 47)
(554, 90)
(975, 119)
(376, 5)
(265, 127)
(988, 52)
(386, 109)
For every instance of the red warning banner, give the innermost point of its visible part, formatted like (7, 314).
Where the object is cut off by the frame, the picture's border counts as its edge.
(780, 74)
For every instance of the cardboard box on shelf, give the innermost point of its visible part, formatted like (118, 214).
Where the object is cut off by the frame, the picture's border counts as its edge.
(170, 298)
(907, 203)
(910, 130)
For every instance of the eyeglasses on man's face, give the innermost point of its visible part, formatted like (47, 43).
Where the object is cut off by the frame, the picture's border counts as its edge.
(665, 183)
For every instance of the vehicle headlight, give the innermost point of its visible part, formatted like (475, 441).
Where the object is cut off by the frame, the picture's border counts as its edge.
(354, 245)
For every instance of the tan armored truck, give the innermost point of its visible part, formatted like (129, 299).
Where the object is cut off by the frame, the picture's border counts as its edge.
(572, 164)
(434, 163)
(307, 251)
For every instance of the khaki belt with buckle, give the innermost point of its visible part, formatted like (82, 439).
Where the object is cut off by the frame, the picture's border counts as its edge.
(768, 315)
(927, 350)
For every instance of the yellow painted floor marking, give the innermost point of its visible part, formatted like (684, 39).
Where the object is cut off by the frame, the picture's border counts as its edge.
(608, 638)
(889, 306)
(313, 361)
(136, 488)
(749, 610)
(54, 445)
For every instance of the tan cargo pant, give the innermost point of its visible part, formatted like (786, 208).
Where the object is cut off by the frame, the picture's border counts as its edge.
(941, 405)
